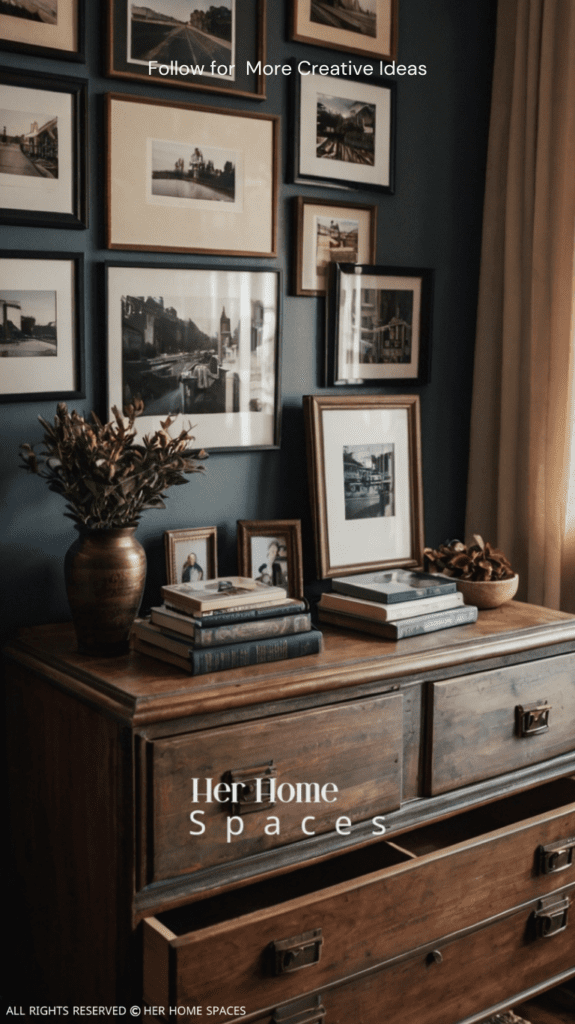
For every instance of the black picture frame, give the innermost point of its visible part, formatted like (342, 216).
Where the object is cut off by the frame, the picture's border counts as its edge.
(17, 35)
(365, 157)
(67, 205)
(361, 350)
(69, 338)
(249, 45)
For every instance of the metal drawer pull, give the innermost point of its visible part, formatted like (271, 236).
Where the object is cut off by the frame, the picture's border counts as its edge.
(435, 957)
(299, 951)
(551, 916)
(309, 1011)
(556, 856)
(253, 787)
(532, 719)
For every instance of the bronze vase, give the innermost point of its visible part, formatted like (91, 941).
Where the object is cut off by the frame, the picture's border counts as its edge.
(105, 572)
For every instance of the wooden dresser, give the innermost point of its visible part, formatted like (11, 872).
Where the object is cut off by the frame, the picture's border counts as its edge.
(293, 906)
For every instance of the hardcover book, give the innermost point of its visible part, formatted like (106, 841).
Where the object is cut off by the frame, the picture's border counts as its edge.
(394, 586)
(184, 622)
(430, 623)
(377, 612)
(255, 652)
(213, 636)
(223, 592)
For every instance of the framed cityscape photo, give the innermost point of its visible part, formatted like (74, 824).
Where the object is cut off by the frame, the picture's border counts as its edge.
(270, 552)
(378, 326)
(192, 179)
(44, 28)
(364, 458)
(43, 151)
(41, 326)
(190, 44)
(329, 232)
(364, 26)
(191, 555)
(198, 344)
(344, 132)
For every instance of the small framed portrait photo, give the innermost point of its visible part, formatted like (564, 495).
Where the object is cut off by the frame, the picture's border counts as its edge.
(329, 231)
(191, 555)
(270, 551)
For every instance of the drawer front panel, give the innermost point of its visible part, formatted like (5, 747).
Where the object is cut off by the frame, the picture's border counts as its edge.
(356, 747)
(495, 722)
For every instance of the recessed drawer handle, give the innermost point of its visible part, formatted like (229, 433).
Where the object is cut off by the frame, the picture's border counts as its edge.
(556, 856)
(532, 719)
(303, 1012)
(252, 787)
(551, 916)
(297, 952)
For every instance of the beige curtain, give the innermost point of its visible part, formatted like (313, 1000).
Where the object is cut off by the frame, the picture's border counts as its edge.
(521, 491)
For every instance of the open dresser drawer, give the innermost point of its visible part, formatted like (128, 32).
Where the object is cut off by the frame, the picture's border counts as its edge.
(254, 947)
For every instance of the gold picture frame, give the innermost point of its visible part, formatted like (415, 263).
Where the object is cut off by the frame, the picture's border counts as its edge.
(180, 545)
(271, 552)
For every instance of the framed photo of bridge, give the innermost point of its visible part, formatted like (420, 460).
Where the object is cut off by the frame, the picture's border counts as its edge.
(329, 231)
(44, 28)
(190, 44)
(344, 131)
(368, 27)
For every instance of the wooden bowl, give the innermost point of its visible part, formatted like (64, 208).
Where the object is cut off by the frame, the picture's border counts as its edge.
(490, 593)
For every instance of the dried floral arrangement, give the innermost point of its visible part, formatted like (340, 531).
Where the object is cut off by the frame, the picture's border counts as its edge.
(479, 562)
(106, 478)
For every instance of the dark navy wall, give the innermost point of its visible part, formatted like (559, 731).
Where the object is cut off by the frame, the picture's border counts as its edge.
(434, 219)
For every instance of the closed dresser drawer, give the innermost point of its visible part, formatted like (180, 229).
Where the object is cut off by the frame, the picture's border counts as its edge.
(362, 908)
(494, 722)
(356, 747)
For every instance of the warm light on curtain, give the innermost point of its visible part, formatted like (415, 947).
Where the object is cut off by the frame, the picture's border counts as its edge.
(522, 462)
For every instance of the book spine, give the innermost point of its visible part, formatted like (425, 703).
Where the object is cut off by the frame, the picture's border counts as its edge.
(217, 659)
(257, 629)
(230, 615)
(431, 622)
(143, 647)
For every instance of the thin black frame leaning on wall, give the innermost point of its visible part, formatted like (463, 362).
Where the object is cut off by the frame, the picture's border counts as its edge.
(250, 46)
(75, 144)
(74, 316)
(41, 36)
(350, 170)
(347, 344)
(186, 285)
(305, 29)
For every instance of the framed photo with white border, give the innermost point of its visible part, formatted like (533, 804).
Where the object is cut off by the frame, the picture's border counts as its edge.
(191, 555)
(364, 458)
(270, 552)
(328, 231)
(50, 28)
(370, 29)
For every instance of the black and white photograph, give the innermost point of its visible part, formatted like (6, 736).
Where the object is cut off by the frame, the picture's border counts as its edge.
(196, 343)
(337, 241)
(45, 11)
(353, 15)
(192, 173)
(346, 129)
(28, 323)
(269, 561)
(384, 318)
(270, 552)
(191, 555)
(368, 27)
(369, 480)
(28, 144)
(196, 32)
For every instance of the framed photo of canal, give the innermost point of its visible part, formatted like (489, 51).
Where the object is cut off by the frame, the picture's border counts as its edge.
(194, 44)
(201, 345)
(368, 27)
(43, 139)
(192, 179)
(364, 459)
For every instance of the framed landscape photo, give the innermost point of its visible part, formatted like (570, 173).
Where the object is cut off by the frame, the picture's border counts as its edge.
(44, 28)
(42, 151)
(270, 552)
(192, 179)
(191, 555)
(344, 132)
(379, 325)
(41, 326)
(190, 44)
(364, 460)
(198, 344)
(329, 232)
(368, 27)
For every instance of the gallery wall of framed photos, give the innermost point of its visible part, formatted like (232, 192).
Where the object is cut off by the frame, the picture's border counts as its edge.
(71, 216)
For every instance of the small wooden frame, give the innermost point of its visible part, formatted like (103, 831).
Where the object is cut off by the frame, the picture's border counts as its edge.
(327, 24)
(59, 34)
(182, 545)
(258, 560)
(329, 231)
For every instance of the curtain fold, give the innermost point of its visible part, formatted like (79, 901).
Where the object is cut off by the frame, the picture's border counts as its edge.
(521, 489)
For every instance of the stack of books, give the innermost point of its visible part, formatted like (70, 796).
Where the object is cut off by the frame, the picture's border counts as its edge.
(226, 623)
(395, 604)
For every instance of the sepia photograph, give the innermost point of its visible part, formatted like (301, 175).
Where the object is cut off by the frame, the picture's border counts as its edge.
(337, 241)
(44, 11)
(352, 15)
(28, 325)
(191, 555)
(326, 232)
(369, 480)
(368, 27)
(196, 32)
(192, 173)
(345, 129)
(28, 144)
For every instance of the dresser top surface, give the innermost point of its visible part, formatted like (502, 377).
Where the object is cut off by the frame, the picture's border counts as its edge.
(145, 690)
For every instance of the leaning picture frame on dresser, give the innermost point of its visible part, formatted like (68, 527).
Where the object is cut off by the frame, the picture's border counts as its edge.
(364, 463)
(270, 551)
(199, 544)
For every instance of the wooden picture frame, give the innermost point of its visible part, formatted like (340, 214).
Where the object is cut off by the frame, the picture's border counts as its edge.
(60, 35)
(364, 458)
(344, 131)
(198, 343)
(138, 46)
(193, 179)
(329, 231)
(43, 150)
(42, 322)
(371, 31)
(271, 552)
(199, 543)
(378, 325)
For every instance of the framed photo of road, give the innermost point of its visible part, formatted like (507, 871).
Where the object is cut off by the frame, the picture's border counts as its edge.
(191, 44)
(43, 136)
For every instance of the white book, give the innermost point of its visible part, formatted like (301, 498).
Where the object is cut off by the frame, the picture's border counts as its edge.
(377, 612)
